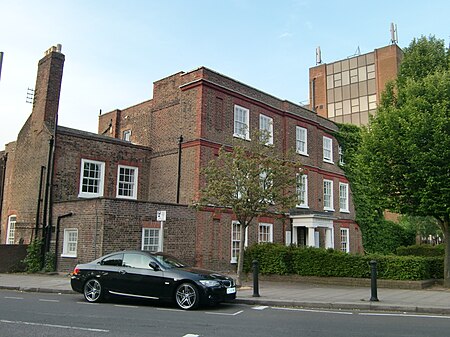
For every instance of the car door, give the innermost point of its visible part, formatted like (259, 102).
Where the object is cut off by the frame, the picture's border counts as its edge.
(139, 279)
(109, 271)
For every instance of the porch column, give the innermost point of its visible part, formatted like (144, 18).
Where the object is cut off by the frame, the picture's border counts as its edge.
(311, 238)
(329, 238)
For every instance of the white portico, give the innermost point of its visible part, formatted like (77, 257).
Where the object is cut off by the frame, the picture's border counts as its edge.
(305, 230)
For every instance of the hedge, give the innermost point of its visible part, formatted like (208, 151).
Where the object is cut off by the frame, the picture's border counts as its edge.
(422, 250)
(281, 260)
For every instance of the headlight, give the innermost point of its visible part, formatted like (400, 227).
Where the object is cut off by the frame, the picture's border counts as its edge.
(210, 283)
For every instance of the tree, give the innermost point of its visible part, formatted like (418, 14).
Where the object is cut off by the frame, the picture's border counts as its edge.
(250, 179)
(406, 149)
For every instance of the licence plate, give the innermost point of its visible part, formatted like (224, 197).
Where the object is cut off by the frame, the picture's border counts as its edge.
(231, 290)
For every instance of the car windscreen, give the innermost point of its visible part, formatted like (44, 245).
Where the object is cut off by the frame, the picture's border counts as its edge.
(169, 262)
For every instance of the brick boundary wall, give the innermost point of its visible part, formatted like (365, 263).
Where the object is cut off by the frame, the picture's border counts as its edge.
(11, 257)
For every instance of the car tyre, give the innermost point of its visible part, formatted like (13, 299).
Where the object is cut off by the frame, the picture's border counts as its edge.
(93, 291)
(187, 296)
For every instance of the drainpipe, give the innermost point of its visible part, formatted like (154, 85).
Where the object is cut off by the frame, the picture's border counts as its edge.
(45, 226)
(58, 221)
(180, 140)
(2, 183)
(38, 208)
(313, 94)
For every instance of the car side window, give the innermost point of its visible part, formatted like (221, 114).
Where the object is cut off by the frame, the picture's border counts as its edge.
(113, 260)
(136, 261)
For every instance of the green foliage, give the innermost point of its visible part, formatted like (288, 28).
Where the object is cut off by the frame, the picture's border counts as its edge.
(33, 260)
(384, 237)
(49, 264)
(422, 226)
(281, 260)
(421, 250)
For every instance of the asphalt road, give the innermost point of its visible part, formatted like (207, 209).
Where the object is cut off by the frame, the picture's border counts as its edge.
(39, 314)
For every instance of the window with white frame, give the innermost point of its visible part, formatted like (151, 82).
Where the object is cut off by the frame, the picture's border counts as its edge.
(343, 197)
(91, 178)
(11, 232)
(341, 156)
(241, 122)
(302, 190)
(345, 246)
(266, 126)
(70, 242)
(126, 135)
(328, 195)
(236, 239)
(150, 239)
(127, 177)
(265, 232)
(301, 140)
(327, 149)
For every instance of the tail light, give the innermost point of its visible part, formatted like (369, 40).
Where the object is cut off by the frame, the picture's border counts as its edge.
(76, 271)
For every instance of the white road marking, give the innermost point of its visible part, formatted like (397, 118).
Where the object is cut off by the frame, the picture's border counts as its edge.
(224, 313)
(44, 300)
(314, 310)
(13, 298)
(53, 326)
(177, 310)
(88, 303)
(261, 307)
(191, 335)
(401, 315)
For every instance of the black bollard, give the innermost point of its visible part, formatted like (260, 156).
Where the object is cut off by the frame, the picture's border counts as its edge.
(255, 278)
(373, 281)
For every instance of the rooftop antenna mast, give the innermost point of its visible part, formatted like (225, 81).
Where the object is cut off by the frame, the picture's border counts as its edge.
(318, 56)
(394, 36)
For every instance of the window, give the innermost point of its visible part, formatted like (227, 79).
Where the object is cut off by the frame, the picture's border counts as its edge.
(355, 105)
(302, 190)
(327, 149)
(265, 232)
(337, 80)
(127, 182)
(338, 107)
(343, 197)
(150, 239)
(92, 177)
(328, 195)
(266, 126)
(10, 234)
(132, 260)
(126, 135)
(70, 242)
(113, 260)
(354, 76)
(341, 156)
(370, 71)
(301, 135)
(241, 122)
(372, 102)
(236, 239)
(266, 182)
(345, 240)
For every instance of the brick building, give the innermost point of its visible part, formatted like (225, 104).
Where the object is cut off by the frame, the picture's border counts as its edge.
(348, 90)
(102, 192)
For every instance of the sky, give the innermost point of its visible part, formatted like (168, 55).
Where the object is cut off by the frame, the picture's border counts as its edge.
(114, 50)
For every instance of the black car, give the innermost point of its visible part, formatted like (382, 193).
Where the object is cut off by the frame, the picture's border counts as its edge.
(148, 275)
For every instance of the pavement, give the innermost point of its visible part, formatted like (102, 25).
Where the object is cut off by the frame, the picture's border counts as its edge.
(435, 300)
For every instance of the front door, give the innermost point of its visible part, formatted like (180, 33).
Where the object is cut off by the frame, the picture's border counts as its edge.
(301, 236)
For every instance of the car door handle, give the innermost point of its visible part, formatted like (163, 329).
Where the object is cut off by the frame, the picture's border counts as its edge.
(122, 272)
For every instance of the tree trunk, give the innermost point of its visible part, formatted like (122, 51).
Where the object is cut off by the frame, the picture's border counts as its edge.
(446, 231)
(240, 265)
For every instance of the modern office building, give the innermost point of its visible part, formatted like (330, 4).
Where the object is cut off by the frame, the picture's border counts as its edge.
(348, 90)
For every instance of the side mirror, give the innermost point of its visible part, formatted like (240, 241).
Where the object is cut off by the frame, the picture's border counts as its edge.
(154, 266)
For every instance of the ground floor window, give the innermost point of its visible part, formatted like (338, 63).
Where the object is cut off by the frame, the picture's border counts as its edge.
(70, 242)
(265, 233)
(236, 239)
(150, 239)
(345, 247)
(11, 232)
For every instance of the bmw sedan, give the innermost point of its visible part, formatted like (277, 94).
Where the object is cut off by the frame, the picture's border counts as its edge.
(148, 275)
